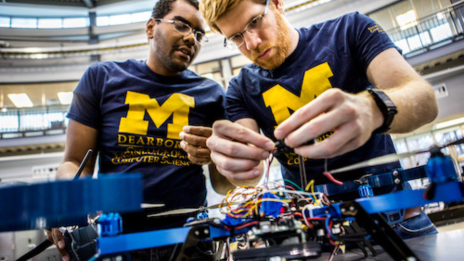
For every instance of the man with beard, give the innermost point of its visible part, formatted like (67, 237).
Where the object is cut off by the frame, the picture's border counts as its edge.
(140, 114)
(314, 83)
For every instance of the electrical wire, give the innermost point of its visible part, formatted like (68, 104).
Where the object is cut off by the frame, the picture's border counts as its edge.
(291, 182)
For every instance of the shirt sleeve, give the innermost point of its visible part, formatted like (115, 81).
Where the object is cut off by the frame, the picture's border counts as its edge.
(85, 106)
(235, 104)
(368, 39)
(221, 110)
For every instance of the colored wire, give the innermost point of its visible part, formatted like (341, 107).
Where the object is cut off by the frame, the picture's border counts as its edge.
(311, 185)
(289, 181)
(329, 176)
(247, 225)
(266, 177)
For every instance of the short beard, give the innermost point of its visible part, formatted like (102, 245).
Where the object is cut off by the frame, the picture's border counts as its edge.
(165, 57)
(281, 46)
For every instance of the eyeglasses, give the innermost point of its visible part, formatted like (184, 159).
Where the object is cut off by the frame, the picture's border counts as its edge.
(185, 29)
(253, 26)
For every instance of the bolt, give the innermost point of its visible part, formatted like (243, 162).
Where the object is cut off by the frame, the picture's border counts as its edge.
(206, 231)
(397, 181)
(395, 173)
(197, 233)
(351, 208)
(343, 210)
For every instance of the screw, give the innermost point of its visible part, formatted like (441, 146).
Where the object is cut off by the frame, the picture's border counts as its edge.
(206, 231)
(343, 210)
(351, 208)
(197, 233)
(397, 181)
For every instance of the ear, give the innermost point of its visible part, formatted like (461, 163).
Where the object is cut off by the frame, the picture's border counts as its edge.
(279, 4)
(149, 28)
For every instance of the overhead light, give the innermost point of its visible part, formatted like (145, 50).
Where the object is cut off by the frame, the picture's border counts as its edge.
(407, 20)
(450, 123)
(65, 97)
(20, 100)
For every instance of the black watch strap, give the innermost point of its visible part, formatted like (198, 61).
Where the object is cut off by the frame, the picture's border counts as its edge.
(386, 106)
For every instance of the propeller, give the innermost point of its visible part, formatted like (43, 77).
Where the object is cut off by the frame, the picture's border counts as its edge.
(393, 157)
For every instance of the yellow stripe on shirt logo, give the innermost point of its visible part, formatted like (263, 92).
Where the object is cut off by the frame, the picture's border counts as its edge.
(177, 105)
(315, 82)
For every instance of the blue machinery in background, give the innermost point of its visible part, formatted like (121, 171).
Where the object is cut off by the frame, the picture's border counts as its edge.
(66, 202)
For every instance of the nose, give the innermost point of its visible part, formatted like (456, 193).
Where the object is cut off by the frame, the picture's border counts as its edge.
(251, 40)
(189, 38)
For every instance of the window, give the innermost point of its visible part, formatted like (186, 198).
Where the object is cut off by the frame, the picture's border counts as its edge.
(141, 17)
(75, 22)
(402, 147)
(237, 63)
(9, 123)
(103, 21)
(120, 19)
(24, 22)
(403, 44)
(4, 21)
(414, 42)
(425, 38)
(441, 32)
(50, 23)
(422, 142)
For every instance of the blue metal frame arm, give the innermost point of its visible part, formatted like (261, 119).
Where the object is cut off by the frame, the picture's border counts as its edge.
(143, 240)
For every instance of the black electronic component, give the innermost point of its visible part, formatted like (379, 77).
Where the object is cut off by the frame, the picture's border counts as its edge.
(289, 252)
(81, 243)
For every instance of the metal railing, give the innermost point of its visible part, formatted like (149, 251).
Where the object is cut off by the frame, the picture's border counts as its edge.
(430, 31)
(25, 120)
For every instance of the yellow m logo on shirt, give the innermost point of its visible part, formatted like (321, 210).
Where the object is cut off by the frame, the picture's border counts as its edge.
(315, 82)
(177, 105)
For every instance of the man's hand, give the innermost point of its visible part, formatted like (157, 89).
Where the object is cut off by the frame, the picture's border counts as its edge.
(194, 143)
(352, 118)
(56, 237)
(238, 150)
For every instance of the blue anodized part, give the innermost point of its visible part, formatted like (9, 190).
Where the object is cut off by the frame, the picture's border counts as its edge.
(365, 191)
(440, 169)
(202, 215)
(109, 225)
(270, 207)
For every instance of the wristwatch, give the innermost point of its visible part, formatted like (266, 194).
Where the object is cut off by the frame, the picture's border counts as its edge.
(386, 106)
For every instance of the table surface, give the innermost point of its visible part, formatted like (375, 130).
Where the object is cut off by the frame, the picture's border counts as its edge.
(442, 246)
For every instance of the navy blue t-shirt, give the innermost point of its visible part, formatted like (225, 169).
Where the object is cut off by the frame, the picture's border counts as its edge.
(139, 115)
(333, 54)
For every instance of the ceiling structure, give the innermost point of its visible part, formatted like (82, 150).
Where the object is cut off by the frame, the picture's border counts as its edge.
(81, 3)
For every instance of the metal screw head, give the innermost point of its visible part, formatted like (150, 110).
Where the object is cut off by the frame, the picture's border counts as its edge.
(395, 173)
(197, 232)
(342, 210)
(397, 181)
(206, 231)
(351, 208)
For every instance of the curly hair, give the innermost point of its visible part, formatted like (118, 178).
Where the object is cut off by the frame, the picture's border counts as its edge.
(163, 7)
